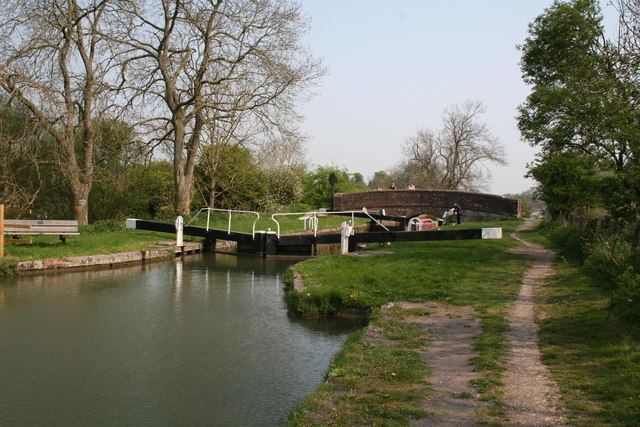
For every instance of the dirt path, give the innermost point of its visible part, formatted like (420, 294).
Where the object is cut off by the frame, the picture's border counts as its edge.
(531, 397)
(450, 332)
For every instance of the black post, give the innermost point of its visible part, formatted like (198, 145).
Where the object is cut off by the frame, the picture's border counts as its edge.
(270, 244)
(209, 244)
(259, 243)
(333, 180)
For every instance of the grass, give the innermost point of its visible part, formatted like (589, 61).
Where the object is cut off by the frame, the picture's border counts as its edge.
(371, 384)
(112, 237)
(288, 224)
(479, 273)
(594, 357)
(87, 243)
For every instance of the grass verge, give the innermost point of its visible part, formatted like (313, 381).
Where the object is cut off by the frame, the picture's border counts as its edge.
(93, 240)
(288, 224)
(593, 356)
(478, 273)
(377, 381)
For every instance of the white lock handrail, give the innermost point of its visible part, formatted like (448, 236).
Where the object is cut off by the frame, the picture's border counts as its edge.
(313, 217)
(230, 212)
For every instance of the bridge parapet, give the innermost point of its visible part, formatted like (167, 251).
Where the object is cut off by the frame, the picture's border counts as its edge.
(474, 206)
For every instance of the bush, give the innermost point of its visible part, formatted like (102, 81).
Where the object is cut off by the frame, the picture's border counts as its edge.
(625, 299)
(284, 187)
(571, 241)
(300, 207)
(610, 263)
(606, 261)
(8, 267)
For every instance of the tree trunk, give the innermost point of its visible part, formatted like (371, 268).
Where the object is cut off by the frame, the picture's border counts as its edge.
(81, 205)
(212, 191)
(183, 196)
(182, 201)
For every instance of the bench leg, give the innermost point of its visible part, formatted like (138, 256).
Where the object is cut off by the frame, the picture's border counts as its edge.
(63, 239)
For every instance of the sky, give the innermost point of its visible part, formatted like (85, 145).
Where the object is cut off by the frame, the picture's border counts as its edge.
(393, 66)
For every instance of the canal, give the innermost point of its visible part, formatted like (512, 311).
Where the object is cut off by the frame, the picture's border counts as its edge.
(205, 340)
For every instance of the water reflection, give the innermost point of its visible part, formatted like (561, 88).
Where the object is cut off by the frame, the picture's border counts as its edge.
(202, 340)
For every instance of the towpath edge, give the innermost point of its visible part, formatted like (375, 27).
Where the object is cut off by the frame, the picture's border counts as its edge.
(105, 260)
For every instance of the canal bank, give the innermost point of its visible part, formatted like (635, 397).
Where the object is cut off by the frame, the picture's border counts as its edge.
(166, 250)
(382, 375)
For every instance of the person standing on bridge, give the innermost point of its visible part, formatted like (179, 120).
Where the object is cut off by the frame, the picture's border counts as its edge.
(456, 208)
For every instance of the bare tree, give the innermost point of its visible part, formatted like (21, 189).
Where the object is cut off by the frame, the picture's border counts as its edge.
(55, 63)
(629, 30)
(197, 62)
(20, 144)
(456, 157)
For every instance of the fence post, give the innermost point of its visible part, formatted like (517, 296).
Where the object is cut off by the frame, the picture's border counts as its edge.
(1, 230)
(179, 231)
(345, 233)
(270, 245)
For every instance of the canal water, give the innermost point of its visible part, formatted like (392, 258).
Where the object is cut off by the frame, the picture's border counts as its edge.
(205, 340)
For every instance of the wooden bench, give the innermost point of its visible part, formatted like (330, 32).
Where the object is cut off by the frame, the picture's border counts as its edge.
(26, 227)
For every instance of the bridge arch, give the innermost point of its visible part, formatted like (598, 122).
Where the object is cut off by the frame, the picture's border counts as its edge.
(474, 206)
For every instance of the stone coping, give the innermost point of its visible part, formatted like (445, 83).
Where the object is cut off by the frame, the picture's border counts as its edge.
(106, 260)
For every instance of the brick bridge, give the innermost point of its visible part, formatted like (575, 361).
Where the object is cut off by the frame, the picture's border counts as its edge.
(474, 206)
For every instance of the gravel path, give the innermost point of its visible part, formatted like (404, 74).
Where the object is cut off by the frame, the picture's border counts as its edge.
(450, 332)
(531, 396)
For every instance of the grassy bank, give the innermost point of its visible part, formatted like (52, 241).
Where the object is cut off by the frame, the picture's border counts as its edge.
(593, 355)
(88, 243)
(478, 273)
(111, 237)
(93, 240)
(288, 224)
(369, 382)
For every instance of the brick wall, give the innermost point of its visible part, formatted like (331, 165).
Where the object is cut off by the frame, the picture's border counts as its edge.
(474, 206)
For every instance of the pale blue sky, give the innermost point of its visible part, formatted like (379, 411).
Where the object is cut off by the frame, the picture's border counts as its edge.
(393, 66)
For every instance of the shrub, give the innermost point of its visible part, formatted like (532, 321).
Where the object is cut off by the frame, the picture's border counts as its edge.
(8, 267)
(300, 207)
(571, 241)
(625, 299)
(610, 263)
(606, 261)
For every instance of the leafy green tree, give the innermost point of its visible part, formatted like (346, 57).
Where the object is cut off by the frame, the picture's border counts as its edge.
(567, 182)
(317, 191)
(381, 179)
(358, 179)
(227, 177)
(584, 101)
(142, 191)
(284, 188)
(581, 99)
(118, 158)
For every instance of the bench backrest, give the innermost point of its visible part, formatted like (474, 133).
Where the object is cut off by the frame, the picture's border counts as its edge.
(40, 226)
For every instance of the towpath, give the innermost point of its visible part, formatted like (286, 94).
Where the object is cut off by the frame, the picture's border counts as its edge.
(531, 396)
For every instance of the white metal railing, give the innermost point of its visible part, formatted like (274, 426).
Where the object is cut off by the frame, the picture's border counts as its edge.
(230, 212)
(364, 210)
(312, 217)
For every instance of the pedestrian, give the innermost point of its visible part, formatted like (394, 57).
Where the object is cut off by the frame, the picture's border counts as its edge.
(393, 186)
(456, 208)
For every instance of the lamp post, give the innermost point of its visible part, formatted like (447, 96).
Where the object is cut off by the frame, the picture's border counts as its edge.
(333, 180)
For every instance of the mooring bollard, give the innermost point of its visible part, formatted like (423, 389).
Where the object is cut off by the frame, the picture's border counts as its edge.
(179, 231)
(346, 230)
